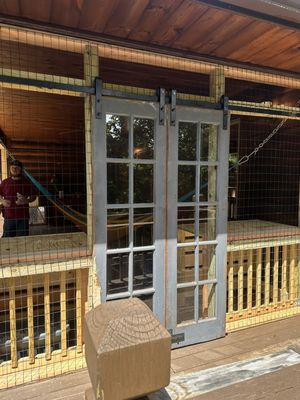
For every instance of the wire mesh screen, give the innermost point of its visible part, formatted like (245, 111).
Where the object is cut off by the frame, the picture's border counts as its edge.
(263, 214)
(47, 272)
(46, 275)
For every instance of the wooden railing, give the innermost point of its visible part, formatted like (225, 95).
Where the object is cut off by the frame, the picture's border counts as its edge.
(41, 321)
(263, 284)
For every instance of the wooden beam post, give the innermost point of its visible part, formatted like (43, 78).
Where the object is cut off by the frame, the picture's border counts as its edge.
(91, 71)
(217, 83)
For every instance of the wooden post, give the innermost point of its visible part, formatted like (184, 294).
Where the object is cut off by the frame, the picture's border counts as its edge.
(78, 312)
(12, 320)
(4, 170)
(217, 83)
(91, 71)
(249, 279)
(258, 277)
(284, 275)
(63, 313)
(292, 283)
(230, 282)
(241, 281)
(47, 317)
(30, 321)
(267, 276)
(275, 276)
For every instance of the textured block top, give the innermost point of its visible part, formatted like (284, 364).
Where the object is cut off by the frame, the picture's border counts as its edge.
(123, 323)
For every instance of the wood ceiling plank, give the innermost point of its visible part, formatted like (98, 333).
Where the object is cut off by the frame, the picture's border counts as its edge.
(262, 43)
(275, 50)
(184, 15)
(125, 17)
(223, 33)
(66, 12)
(39, 10)
(197, 33)
(95, 14)
(291, 60)
(154, 14)
(251, 32)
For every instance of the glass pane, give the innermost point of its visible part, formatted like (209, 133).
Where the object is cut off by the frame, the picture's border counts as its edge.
(207, 301)
(117, 273)
(209, 144)
(143, 227)
(143, 138)
(117, 228)
(187, 141)
(185, 305)
(207, 262)
(117, 183)
(143, 183)
(186, 182)
(117, 136)
(142, 269)
(207, 223)
(186, 224)
(147, 299)
(185, 264)
(208, 183)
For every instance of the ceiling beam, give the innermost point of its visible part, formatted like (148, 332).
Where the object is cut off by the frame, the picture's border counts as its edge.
(251, 13)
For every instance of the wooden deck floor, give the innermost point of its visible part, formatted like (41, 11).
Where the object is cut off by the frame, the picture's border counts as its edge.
(237, 346)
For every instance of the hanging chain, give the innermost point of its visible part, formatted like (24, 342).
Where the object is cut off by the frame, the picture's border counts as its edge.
(246, 158)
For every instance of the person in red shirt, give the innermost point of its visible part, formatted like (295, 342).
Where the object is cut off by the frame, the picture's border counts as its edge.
(16, 192)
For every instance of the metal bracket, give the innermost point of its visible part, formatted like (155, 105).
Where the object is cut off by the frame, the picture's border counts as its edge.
(173, 107)
(176, 337)
(98, 95)
(162, 103)
(225, 106)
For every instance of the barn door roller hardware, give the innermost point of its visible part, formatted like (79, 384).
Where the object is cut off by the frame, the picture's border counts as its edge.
(98, 95)
(162, 104)
(173, 107)
(225, 106)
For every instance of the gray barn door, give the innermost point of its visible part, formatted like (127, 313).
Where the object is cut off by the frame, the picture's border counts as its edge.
(197, 223)
(160, 214)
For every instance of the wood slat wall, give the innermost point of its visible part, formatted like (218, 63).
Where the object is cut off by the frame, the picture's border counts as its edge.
(174, 24)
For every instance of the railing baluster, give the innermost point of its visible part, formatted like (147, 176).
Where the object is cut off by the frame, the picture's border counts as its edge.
(47, 317)
(292, 282)
(275, 276)
(241, 280)
(297, 271)
(267, 276)
(63, 313)
(250, 279)
(284, 274)
(78, 311)
(30, 321)
(230, 282)
(258, 277)
(12, 319)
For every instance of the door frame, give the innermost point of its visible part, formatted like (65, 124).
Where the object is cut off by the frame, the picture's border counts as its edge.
(164, 280)
(206, 329)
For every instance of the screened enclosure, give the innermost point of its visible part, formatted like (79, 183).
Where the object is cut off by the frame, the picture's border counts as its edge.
(192, 207)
